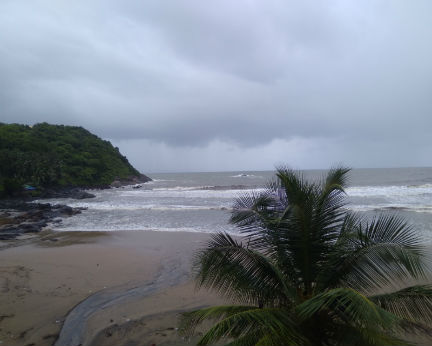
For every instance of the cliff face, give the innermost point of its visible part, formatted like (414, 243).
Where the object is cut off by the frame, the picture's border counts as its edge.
(47, 155)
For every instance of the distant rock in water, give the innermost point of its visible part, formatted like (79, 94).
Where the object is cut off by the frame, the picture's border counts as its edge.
(52, 160)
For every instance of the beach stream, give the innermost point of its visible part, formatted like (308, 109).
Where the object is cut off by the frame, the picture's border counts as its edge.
(74, 331)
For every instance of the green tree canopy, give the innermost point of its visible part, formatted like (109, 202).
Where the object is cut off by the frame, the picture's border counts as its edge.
(57, 155)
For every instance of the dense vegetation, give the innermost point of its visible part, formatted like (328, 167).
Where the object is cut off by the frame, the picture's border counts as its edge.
(309, 272)
(56, 155)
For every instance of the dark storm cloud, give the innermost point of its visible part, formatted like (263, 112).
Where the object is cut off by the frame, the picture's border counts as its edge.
(226, 76)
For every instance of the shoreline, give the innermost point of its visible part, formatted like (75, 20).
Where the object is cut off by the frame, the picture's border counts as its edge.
(47, 277)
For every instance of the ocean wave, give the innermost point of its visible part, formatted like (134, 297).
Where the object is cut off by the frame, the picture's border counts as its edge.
(354, 191)
(127, 228)
(244, 175)
(131, 207)
(225, 188)
(182, 188)
(204, 187)
(390, 208)
(421, 186)
(137, 228)
(388, 191)
(202, 192)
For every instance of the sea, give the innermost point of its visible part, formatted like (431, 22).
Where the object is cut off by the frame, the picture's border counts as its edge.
(201, 202)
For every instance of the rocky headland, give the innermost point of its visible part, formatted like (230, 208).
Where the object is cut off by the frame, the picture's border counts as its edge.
(53, 161)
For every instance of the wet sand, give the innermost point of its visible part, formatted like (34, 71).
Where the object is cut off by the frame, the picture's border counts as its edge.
(45, 278)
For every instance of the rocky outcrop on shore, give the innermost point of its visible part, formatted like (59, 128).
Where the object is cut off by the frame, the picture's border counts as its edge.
(18, 217)
(132, 180)
(73, 192)
(80, 193)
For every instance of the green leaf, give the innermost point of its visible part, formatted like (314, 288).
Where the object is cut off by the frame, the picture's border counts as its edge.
(350, 305)
(238, 272)
(190, 320)
(270, 321)
(413, 303)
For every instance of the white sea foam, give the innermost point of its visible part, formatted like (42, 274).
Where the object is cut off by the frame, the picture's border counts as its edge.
(244, 175)
(423, 186)
(414, 198)
(182, 188)
(371, 191)
(175, 205)
(130, 227)
(392, 207)
(188, 192)
(131, 206)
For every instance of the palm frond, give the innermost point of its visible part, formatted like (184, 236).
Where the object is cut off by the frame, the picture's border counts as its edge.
(190, 320)
(297, 189)
(415, 328)
(270, 321)
(380, 265)
(336, 179)
(250, 339)
(273, 339)
(390, 228)
(346, 334)
(413, 303)
(375, 254)
(350, 306)
(251, 209)
(341, 254)
(308, 231)
(240, 273)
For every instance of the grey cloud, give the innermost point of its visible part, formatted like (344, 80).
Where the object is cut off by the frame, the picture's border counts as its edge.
(244, 73)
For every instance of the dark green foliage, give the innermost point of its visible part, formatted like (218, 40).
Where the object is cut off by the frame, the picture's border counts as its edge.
(309, 272)
(57, 155)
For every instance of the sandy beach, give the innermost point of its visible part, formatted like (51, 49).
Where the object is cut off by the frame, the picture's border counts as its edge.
(140, 280)
(124, 288)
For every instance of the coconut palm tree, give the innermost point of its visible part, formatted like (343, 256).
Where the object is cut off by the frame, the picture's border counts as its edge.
(307, 271)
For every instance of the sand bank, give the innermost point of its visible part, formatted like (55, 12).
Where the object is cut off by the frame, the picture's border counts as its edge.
(42, 281)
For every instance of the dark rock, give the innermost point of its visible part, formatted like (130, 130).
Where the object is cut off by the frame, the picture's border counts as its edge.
(132, 180)
(32, 217)
(9, 233)
(74, 192)
(30, 228)
(36, 214)
(83, 195)
(116, 183)
(65, 209)
(41, 224)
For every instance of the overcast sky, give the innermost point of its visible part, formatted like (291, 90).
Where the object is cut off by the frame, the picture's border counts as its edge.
(227, 85)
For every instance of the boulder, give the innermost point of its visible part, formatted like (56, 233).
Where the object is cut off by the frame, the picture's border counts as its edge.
(131, 180)
(30, 217)
(80, 194)
(116, 183)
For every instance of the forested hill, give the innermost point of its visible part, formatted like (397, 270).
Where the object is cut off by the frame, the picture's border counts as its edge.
(56, 156)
